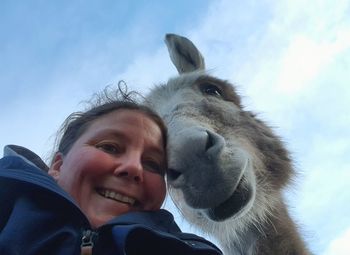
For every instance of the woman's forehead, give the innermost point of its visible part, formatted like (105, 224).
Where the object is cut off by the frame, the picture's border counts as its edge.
(121, 122)
(126, 116)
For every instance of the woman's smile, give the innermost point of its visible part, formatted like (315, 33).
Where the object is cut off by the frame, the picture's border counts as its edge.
(110, 194)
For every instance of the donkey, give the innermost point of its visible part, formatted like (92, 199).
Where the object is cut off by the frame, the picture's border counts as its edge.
(227, 168)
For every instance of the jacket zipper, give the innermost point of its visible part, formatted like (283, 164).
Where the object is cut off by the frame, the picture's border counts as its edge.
(88, 238)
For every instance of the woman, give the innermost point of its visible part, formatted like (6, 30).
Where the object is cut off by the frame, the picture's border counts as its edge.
(110, 162)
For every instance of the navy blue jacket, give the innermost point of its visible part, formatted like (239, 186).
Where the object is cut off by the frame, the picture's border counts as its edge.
(38, 217)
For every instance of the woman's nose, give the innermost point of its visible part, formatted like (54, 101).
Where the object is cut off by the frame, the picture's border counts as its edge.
(130, 167)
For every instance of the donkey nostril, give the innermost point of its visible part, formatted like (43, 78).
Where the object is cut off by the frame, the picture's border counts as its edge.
(214, 144)
(210, 141)
(173, 174)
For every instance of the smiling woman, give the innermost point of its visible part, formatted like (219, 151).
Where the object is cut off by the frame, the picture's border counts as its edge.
(103, 191)
(116, 166)
(111, 160)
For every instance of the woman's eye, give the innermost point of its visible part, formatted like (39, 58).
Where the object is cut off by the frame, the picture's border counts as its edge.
(210, 89)
(154, 166)
(109, 148)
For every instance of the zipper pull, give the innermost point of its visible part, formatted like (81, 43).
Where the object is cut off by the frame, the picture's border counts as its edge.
(88, 238)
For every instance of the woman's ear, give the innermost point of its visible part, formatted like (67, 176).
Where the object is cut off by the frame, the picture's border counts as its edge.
(55, 167)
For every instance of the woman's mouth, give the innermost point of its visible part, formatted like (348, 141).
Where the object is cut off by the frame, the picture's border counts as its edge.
(110, 194)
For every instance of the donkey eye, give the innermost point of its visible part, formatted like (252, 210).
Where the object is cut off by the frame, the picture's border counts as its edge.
(210, 89)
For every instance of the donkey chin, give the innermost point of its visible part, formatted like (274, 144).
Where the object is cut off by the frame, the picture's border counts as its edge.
(239, 202)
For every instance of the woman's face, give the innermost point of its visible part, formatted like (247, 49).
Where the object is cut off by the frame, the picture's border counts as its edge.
(116, 166)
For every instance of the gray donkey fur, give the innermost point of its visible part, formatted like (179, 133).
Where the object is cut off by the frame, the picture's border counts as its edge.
(227, 168)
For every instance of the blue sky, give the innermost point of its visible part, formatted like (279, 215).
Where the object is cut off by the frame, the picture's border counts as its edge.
(289, 59)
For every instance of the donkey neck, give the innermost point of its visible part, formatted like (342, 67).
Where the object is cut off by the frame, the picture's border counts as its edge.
(246, 246)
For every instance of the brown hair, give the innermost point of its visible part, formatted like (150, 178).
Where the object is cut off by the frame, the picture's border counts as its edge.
(103, 103)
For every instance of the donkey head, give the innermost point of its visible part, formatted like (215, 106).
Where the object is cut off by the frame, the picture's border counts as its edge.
(224, 163)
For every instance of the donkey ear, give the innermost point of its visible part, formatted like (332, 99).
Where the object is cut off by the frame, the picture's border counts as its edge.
(184, 54)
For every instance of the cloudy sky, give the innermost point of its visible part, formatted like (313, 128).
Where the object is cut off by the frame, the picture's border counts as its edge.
(290, 60)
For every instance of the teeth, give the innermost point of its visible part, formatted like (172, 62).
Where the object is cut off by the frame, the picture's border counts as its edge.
(116, 196)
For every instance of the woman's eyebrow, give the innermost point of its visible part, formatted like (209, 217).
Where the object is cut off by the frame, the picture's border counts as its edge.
(107, 132)
(155, 148)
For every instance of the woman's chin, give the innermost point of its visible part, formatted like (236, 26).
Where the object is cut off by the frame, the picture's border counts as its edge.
(97, 220)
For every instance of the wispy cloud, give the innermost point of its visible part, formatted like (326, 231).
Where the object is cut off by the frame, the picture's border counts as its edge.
(305, 58)
(339, 245)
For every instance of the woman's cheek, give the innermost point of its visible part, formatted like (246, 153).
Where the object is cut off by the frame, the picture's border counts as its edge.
(97, 161)
(156, 190)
